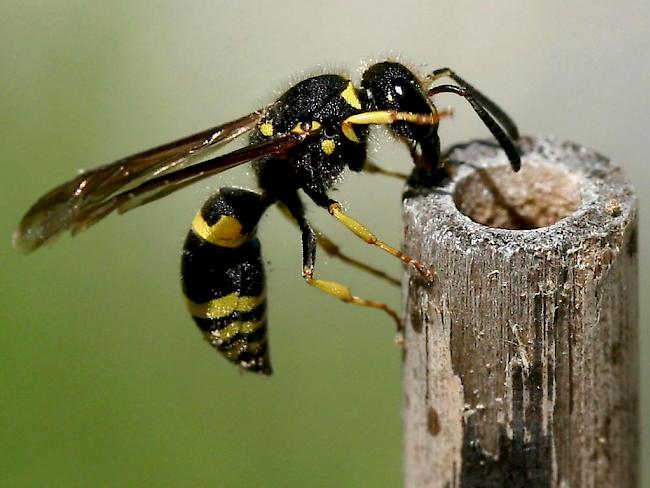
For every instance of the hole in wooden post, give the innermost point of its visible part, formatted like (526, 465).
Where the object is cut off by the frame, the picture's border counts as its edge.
(537, 196)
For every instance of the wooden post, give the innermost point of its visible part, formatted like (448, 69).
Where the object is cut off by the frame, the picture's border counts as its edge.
(521, 365)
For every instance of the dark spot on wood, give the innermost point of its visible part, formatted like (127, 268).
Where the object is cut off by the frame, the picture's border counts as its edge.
(517, 400)
(517, 464)
(427, 373)
(416, 313)
(616, 356)
(632, 244)
(417, 320)
(433, 422)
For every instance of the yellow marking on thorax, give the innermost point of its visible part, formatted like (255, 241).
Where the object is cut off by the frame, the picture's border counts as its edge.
(350, 96)
(328, 146)
(267, 129)
(225, 306)
(225, 232)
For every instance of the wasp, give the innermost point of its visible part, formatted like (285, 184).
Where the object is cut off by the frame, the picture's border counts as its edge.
(300, 143)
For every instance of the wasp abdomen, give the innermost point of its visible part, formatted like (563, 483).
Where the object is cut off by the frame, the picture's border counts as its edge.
(223, 278)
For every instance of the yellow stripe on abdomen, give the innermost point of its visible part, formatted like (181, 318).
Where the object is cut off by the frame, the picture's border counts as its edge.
(225, 232)
(220, 308)
(237, 327)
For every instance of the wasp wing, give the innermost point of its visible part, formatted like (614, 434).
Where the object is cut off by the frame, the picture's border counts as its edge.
(163, 185)
(65, 206)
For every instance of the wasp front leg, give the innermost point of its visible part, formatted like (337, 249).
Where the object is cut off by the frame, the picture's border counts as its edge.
(336, 210)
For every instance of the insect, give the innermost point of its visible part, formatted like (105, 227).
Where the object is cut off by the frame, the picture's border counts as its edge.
(301, 142)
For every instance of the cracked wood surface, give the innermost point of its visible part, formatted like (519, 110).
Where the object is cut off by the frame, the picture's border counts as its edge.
(521, 365)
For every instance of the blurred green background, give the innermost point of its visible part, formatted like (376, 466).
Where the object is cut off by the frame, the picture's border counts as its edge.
(104, 379)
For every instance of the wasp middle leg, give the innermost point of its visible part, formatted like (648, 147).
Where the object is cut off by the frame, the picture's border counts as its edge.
(334, 288)
(336, 210)
(334, 250)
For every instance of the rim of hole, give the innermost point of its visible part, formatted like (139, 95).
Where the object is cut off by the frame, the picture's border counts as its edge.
(538, 196)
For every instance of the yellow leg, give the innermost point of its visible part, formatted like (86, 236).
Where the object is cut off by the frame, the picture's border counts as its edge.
(334, 251)
(344, 294)
(362, 232)
(386, 117)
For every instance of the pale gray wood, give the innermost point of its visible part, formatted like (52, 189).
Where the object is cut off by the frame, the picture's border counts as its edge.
(521, 366)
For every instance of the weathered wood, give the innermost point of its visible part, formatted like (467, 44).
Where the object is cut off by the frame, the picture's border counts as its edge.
(521, 365)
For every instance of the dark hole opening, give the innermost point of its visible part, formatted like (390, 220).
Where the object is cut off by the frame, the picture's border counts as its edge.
(537, 196)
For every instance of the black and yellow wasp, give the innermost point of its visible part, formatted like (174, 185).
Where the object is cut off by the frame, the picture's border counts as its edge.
(302, 141)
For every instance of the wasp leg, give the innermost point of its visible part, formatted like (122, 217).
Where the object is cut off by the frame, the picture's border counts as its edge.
(360, 230)
(387, 117)
(492, 107)
(372, 168)
(335, 209)
(333, 288)
(334, 251)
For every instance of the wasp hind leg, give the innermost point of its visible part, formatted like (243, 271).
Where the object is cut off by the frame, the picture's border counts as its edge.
(336, 289)
(334, 250)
